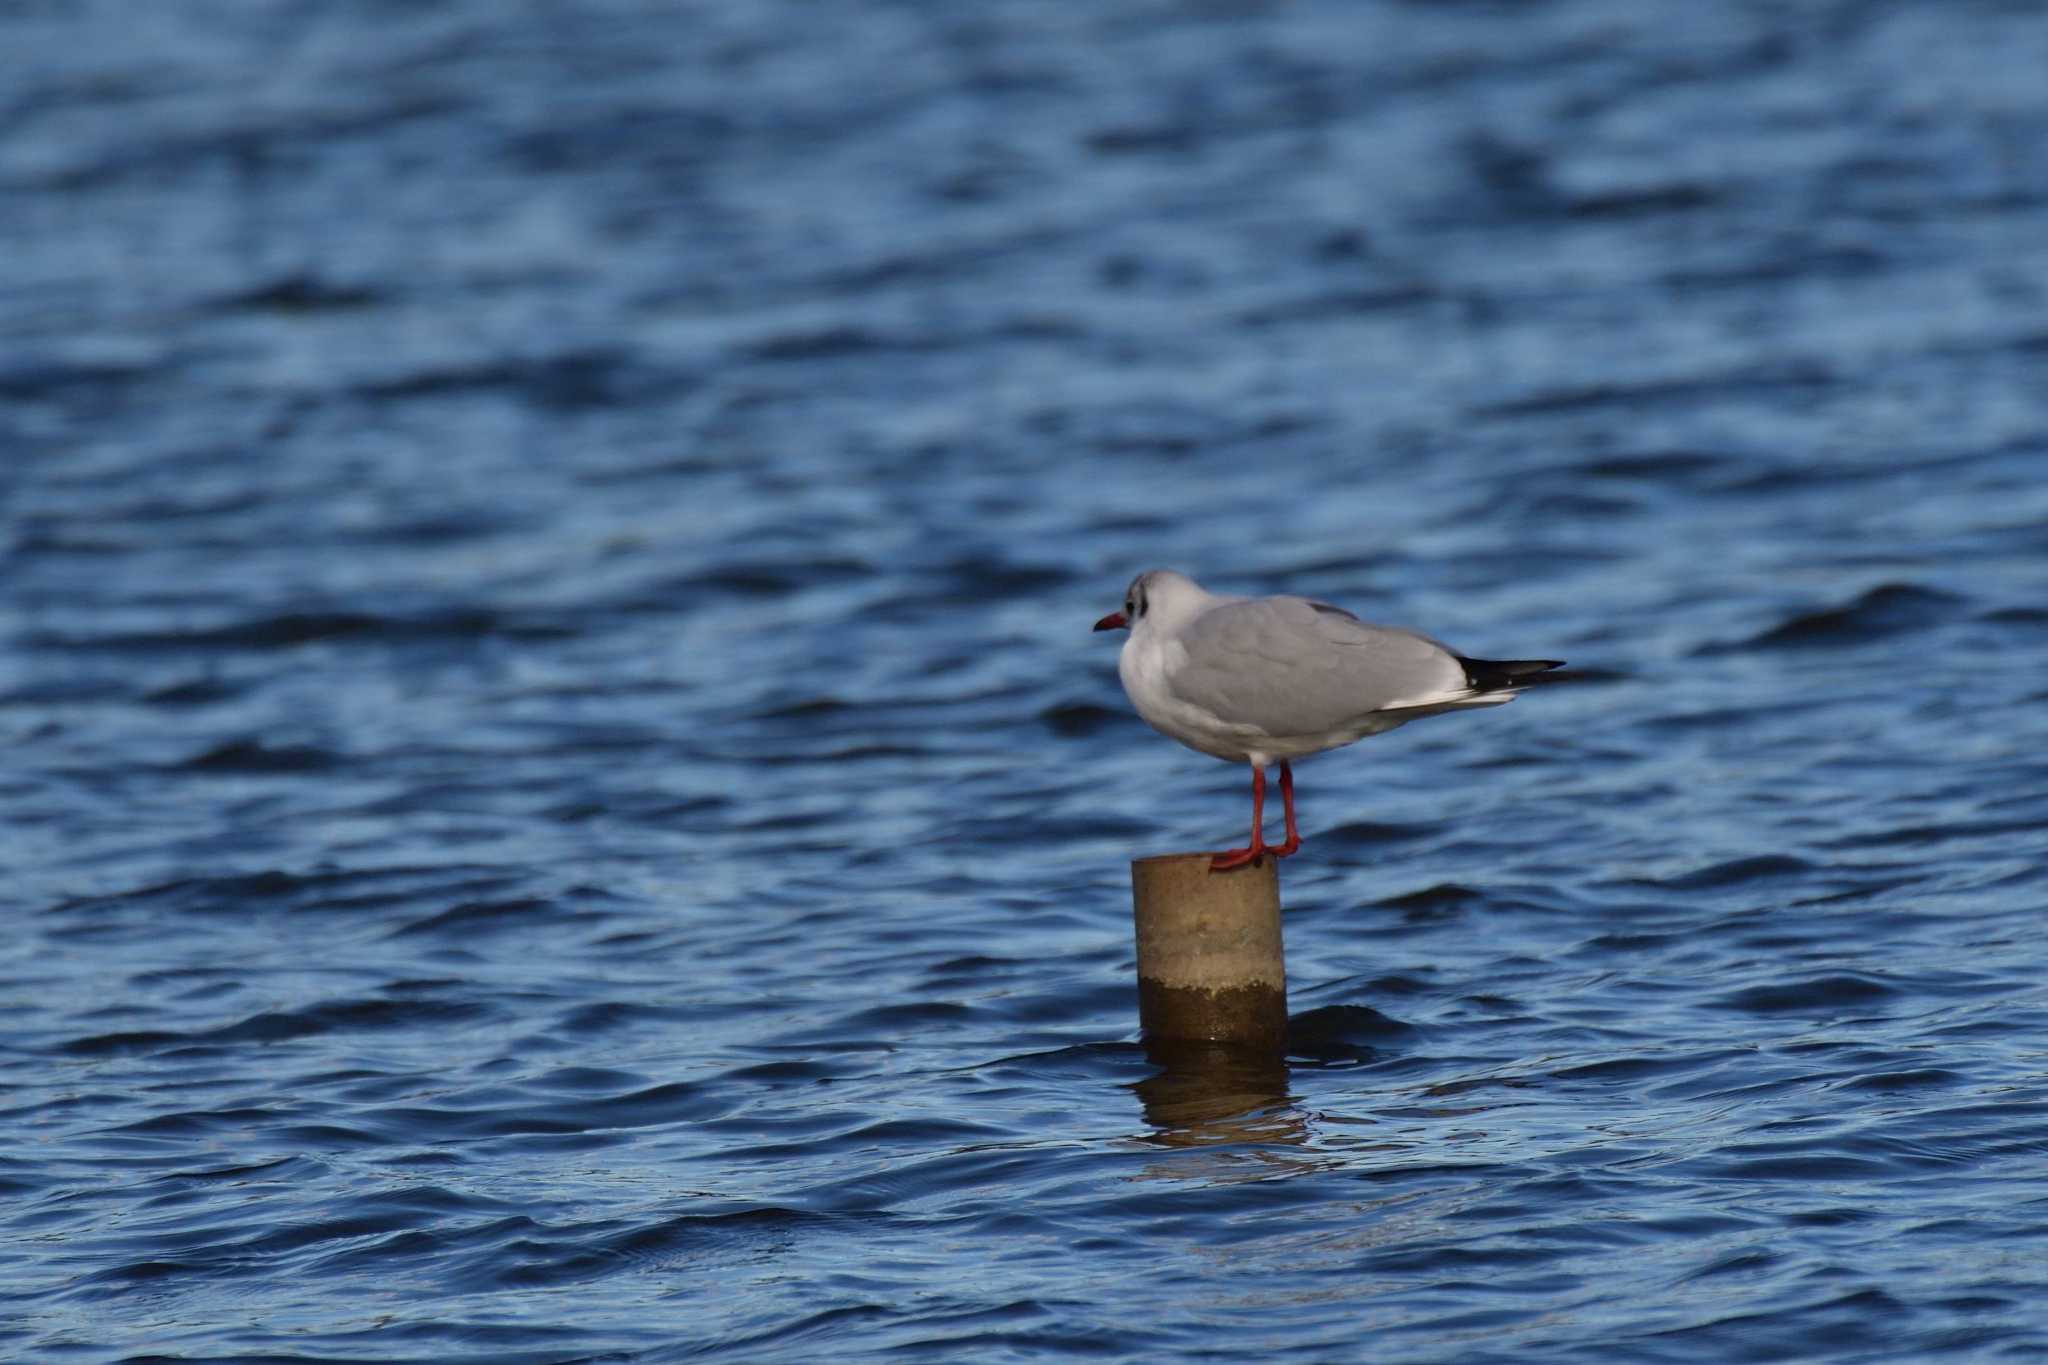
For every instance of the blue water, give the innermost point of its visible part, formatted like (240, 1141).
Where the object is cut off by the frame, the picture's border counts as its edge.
(561, 803)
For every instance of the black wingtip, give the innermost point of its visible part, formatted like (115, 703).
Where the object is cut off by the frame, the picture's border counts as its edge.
(1491, 675)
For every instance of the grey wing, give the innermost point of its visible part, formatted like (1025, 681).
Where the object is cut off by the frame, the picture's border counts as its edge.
(1291, 666)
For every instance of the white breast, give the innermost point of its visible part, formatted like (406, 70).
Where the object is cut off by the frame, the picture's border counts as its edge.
(1146, 666)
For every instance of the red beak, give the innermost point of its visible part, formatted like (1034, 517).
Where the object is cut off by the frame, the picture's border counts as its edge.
(1114, 621)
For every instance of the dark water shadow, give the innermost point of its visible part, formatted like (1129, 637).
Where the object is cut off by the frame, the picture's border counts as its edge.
(1207, 1093)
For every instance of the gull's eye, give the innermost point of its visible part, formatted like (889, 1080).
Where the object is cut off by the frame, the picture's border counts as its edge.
(1130, 609)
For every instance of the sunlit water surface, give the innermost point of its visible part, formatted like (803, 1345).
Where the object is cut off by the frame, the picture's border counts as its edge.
(561, 803)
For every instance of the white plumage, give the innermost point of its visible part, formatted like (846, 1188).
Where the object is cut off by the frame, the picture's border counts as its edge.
(1263, 680)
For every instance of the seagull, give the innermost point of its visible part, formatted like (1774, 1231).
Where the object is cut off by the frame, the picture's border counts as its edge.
(1264, 680)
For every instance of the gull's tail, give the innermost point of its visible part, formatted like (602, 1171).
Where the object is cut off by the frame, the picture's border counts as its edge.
(1505, 675)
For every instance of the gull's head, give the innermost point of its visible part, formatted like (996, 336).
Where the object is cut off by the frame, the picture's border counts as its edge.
(1155, 596)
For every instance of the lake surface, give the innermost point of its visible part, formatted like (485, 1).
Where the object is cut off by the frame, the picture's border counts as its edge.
(562, 805)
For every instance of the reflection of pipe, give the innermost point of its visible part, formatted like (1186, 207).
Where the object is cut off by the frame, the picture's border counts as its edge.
(1210, 965)
(1216, 1093)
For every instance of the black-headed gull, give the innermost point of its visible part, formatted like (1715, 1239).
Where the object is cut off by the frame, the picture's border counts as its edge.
(1263, 680)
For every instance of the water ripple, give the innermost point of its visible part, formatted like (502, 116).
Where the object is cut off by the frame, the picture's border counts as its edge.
(563, 804)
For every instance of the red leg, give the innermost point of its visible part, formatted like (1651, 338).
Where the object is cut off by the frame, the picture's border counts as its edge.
(1287, 803)
(1238, 857)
